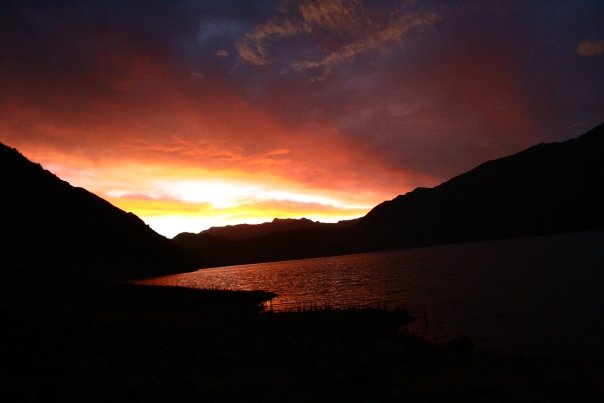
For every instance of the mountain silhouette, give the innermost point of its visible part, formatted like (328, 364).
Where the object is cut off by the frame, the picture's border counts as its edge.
(214, 250)
(52, 231)
(548, 188)
(280, 239)
(246, 231)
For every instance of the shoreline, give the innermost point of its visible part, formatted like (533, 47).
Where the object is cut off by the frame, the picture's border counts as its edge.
(132, 342)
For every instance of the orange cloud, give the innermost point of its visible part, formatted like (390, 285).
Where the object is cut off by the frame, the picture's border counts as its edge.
(331, 16)
(590, 48)
(393, 33)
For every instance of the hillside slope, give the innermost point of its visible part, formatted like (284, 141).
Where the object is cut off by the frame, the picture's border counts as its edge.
(52, 230)
(246, 231)
(548, 188)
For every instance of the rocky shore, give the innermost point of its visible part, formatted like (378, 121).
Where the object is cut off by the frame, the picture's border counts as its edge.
(142, 343)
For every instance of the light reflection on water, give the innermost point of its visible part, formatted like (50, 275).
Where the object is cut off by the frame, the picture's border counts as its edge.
(538, 294)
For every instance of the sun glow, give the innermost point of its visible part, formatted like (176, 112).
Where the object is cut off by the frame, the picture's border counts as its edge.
(172, 199)
(195, 205)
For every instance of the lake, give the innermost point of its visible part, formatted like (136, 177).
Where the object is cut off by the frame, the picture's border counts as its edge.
(539, 294)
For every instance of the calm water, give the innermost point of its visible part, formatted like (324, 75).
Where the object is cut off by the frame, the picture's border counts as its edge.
(543, 294)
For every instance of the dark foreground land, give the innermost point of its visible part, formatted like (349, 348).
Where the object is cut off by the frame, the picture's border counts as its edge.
(141, 343)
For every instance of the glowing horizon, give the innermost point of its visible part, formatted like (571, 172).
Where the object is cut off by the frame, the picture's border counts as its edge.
(174, 199)
(198, 114)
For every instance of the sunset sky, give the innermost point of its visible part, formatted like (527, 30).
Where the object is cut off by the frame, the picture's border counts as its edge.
(194, 114)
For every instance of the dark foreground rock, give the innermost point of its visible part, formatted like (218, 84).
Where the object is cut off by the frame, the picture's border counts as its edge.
(140, 343)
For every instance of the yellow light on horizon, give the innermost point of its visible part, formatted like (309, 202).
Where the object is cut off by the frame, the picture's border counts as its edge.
(171, 217)
(174, 198)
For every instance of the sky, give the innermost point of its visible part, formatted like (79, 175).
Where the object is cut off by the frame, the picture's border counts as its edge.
(194, 114)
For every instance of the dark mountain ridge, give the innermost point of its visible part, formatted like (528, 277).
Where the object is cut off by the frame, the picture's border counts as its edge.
(213, 250)
(52, 230)
(246, 231)
(548, 188)
(555, 187)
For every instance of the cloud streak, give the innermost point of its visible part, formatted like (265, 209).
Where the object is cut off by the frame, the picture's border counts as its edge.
(318, 19)
(335, 15)
(252, 48)
(393, 33)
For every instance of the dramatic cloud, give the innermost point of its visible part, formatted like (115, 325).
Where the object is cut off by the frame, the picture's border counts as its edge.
(305, 18)
(318, 19)
(393, 33)
(199, 114)
(252, 48)
(334, 15)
